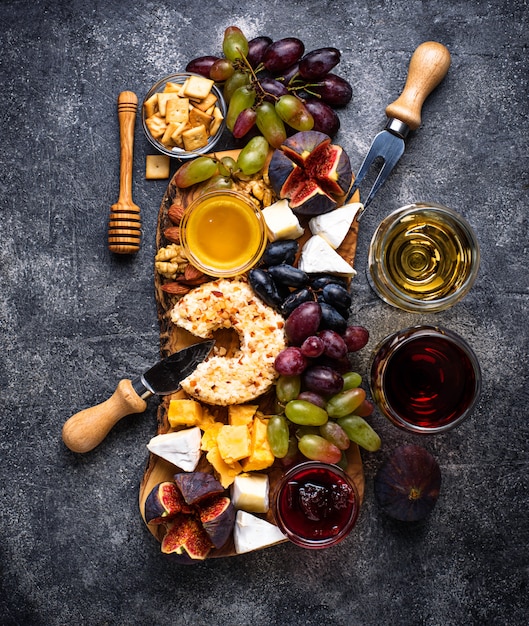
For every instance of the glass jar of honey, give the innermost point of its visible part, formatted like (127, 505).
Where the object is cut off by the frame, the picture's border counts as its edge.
(223, 233)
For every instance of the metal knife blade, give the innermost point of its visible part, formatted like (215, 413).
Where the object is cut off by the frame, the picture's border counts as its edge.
(87, 429)
(165, 377)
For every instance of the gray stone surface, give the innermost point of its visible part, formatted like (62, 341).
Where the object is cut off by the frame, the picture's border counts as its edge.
(74, 319)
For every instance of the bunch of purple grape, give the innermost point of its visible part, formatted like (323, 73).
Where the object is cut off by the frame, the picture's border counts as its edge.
(273, 86)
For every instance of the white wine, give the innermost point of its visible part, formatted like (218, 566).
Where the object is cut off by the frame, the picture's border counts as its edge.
(423, 258)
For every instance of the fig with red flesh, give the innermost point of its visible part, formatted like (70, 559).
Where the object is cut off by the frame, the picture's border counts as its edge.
(407, 485)
(311, 172)
(197, 515)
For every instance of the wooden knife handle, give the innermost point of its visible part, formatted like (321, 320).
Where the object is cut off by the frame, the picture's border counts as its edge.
(428, 66)
(124, 229)
(87, 429)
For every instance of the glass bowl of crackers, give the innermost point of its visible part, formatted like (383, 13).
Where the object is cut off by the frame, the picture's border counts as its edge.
(183, 115)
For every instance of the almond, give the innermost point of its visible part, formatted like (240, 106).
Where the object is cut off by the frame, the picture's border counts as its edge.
(175, 213)
(175, 289)
(172, 234)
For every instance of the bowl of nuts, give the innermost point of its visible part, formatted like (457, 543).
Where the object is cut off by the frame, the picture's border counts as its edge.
(183, 115)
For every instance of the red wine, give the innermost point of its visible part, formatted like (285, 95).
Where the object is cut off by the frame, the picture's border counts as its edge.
(316, 504)
(429, 381)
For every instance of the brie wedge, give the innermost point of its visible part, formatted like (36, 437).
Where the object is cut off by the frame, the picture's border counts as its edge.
(335, 225)
(252, 532)
(317, 256)
(281, 223)
(181, 448)
(250, 492)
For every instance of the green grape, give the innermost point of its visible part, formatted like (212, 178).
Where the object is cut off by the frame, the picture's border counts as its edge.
(301, 431)
(345, 402)
(350, 380)
(221, 70)
(253, 156)
(235, 44)
(270, 124)
(227, 165)
(278, 435)
(288, 388)
(242, 98)
(343, 462)
(218, 182)
(317, 448)
(294, 113)
(196, 171)
(236, 80)
(305, 413)
(359, 431)
(334, 433)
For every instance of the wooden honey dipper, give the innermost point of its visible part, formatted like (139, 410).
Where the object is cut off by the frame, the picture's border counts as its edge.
(124, 228)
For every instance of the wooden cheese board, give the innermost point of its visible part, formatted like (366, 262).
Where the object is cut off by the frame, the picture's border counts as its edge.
(173, 338)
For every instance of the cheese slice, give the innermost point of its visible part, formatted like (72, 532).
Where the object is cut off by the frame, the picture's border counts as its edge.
(317, 256)
(252, 532)
(181, 448)
(335, 225)
(250, 492)
(281, 223)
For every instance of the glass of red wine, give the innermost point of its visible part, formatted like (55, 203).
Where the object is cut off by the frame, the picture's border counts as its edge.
(425, 379)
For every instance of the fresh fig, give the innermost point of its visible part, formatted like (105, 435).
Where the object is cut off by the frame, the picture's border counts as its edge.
(311, 172)
(407, 485)
(163, 503)
(195, 486)
(186, 538)
(217, 516)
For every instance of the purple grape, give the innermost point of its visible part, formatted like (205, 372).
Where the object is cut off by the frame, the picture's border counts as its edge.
(355, 337)
(256, 49)
(313, 398)
(334, 90)
(290, 362)
(312, 347)
(316, 64)
(282, 54)
(322, 380)
(201, 65)
(326, 120)
(273, 87)
(334, 345)
(244, 123)
(303, 322)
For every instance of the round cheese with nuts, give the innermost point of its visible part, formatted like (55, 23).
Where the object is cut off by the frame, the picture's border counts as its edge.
(250, 372)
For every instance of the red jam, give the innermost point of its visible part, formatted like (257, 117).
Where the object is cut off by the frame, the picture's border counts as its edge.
(316, 505)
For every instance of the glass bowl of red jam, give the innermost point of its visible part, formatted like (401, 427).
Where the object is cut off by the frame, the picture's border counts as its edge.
(316, 505)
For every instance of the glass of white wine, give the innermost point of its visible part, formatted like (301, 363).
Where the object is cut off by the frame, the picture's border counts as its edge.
(423, 257)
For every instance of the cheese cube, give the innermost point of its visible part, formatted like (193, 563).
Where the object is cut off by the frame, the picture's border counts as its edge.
(181, 448)
(335, 225)
(252, 532)
(281, 223)
(239, 414)
(318, 256)
(225, 471)
(261, 455)
(233, 443)
(184, 412)
(250, 492)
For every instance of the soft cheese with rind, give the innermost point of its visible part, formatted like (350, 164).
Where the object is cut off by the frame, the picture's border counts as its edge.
(281, 223)
(250, 492)
(181, 448)
(335, 225)
(252, 533)
(318, 256)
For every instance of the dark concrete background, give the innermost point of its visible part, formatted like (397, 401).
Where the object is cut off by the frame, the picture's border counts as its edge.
(74, 319)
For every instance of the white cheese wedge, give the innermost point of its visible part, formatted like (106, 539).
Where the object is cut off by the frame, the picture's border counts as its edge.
(335, 225)
(252, 533)
(318, 256)
(181, 448)
(250, 492)
(281, 223)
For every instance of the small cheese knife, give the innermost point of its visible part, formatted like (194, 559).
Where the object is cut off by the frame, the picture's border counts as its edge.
(87, 429)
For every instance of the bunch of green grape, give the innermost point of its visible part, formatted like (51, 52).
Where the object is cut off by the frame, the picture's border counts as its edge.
(273, 86)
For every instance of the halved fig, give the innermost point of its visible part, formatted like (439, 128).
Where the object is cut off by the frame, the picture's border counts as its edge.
(195, 486)
(217, 516)
(407, 485)
(186, 538)
(310, 172)
(163, 503)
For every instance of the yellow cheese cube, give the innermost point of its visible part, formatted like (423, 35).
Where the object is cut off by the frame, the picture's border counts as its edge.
(209, 438)
(233, 443)
(261, 455)
(184, 412)
(226, 471)
(239, 414)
